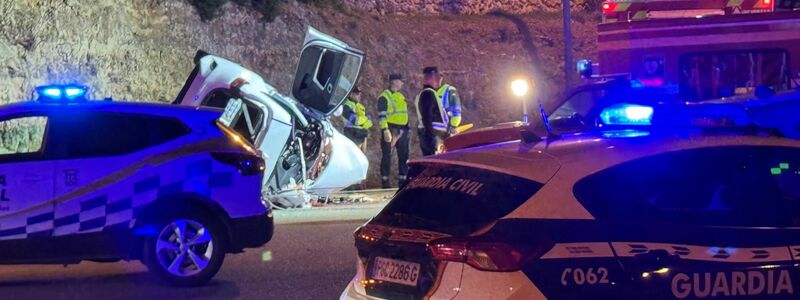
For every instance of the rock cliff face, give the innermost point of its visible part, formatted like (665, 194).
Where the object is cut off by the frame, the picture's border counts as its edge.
(141, 50)
(462, 7)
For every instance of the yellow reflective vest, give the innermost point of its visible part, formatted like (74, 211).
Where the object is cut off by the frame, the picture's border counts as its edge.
(396, 109)
(449, 104)
(359, 118)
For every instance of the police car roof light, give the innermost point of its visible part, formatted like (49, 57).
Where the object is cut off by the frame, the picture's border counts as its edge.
(62, 93)
(585, 68)
(627, 114)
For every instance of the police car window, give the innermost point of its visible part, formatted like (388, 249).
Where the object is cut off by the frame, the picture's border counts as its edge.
(22, 135)
(455, 200)
(82, 135)
(721, 186)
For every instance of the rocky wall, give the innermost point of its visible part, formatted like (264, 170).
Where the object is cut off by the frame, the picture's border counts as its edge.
(141, 50)
(462, 7)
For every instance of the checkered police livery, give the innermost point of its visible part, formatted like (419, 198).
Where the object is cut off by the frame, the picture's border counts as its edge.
(116, 206)
(154, 182)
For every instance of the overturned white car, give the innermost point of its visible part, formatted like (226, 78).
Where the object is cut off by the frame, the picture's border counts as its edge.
(305, 155)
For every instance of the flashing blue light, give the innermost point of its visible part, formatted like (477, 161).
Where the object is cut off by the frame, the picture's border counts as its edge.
(72, 92)
(584, 67)
(61, 93)
(627, 114)
(51, 92)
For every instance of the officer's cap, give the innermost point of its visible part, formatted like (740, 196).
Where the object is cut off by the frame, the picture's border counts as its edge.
(355, 90)
(430, 71)
(395, 76)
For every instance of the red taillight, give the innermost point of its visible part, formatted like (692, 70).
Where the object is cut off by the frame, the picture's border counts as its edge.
(609, 7)
(247, 164)
(484, 255)
(237, 83)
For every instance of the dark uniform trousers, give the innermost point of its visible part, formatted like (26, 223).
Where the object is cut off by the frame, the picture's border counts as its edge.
(400, 133)
(428, 142)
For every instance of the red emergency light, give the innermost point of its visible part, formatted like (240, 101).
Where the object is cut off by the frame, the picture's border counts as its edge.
(609, 7)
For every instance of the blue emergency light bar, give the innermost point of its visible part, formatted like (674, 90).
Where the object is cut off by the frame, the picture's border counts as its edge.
(62, 93)
(624, 114)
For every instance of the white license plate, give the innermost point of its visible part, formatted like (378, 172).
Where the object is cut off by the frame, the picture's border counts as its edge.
(231, 111)
(396, 271)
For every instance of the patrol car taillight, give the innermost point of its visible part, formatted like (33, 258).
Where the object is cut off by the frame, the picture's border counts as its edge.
(247, 164)
(484, 255)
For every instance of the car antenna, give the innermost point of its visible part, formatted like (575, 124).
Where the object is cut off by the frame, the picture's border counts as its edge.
(546, 122)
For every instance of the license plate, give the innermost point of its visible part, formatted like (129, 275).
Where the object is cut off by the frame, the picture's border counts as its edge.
(397, 271)
(231, 112)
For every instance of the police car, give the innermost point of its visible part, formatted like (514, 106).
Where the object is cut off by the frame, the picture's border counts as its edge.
(104, 181)
(654, 202)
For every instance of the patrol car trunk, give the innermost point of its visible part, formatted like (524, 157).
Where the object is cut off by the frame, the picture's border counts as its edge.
(442, 200)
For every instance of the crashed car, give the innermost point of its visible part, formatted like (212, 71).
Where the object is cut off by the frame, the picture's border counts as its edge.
(305, 155)
(107, 181)
(692, 203)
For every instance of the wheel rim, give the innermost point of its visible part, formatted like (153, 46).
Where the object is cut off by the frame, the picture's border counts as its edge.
(184, 247)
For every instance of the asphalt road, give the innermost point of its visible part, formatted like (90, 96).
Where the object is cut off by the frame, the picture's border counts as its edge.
(303, 261)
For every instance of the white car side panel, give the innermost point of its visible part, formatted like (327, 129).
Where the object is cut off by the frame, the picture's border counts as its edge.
(279, 131)
(347, 166)
(220, 77)
(476, 284)
(449, 282)
(355, 290)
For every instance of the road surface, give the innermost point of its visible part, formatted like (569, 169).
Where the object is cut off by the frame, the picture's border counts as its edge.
(303, 261)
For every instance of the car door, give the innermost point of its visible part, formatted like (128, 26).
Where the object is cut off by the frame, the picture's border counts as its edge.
(99, 157)
(26, 184)
(702, 223)
(326, 73)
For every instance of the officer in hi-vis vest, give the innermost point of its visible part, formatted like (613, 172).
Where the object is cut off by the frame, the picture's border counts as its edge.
(355, 119)
(438, 111)
(393, 117)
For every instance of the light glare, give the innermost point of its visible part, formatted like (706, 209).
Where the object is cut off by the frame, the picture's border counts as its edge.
(519, 87)
(52, 92)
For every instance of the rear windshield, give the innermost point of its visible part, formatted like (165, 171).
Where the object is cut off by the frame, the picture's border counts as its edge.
(454, 200)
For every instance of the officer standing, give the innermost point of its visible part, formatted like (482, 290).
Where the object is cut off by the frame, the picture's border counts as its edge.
(393, 117)
(438, 111)
(355, 119)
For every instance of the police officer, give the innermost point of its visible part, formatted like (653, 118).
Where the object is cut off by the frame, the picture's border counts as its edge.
(438, 111)
(393, 117)
(355, 119)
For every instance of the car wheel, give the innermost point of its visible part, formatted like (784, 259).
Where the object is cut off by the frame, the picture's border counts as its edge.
(187, 251)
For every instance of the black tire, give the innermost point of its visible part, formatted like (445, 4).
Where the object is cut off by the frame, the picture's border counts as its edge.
(155, 262)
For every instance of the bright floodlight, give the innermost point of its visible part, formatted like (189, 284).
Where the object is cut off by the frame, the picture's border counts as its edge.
(519, 87)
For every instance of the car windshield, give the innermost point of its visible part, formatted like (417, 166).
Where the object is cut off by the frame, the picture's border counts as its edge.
(455, 200)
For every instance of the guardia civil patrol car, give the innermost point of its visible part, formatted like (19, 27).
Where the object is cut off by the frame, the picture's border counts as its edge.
(104, 181)
(646, 202)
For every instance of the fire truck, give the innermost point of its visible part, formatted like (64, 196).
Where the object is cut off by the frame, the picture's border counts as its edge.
(703, 50)
(684, 51)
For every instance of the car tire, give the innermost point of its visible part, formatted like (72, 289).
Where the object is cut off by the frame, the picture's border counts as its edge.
(187, 250)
